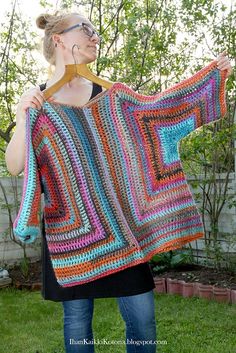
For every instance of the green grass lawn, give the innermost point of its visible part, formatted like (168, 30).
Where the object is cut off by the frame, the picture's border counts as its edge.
(29, 324)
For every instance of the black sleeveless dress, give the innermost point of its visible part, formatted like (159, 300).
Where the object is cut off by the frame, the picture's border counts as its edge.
(133, 280)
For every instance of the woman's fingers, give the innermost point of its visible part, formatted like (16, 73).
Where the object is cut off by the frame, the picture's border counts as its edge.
(32, 102)
(223, 63)
(223, 53)
(51, 99)
(38, 96)
(32, 99)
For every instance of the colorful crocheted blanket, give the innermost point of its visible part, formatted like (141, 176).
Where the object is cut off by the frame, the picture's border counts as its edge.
(114, 189)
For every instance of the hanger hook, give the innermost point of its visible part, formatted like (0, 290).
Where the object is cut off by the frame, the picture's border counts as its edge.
(73, 54)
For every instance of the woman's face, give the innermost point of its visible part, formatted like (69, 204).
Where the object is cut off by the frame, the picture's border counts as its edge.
(86, 47)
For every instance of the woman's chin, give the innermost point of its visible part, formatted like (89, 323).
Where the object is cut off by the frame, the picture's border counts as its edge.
(89, 57)
(85, 59)
(92, 57)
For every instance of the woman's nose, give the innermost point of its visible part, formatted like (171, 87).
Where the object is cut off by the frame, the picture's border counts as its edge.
(96, 37)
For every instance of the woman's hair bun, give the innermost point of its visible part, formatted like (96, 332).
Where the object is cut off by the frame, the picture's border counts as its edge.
(42, 20)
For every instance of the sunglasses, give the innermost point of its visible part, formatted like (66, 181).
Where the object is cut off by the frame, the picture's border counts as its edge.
(86, 29)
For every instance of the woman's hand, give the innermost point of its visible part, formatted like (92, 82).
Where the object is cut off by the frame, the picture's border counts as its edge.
(223, 63)
(33, 98)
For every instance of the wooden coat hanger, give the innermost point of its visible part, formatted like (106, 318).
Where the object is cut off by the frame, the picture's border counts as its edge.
(72, 71)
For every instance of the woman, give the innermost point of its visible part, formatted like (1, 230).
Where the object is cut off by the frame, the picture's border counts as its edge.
(133, 287)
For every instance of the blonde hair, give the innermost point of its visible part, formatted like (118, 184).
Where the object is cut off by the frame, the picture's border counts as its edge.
(52, 24)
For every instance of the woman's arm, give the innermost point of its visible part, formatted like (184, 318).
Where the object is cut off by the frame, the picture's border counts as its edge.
(15, 151)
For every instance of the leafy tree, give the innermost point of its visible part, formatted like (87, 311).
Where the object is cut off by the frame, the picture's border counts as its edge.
(209, 153)
(19, 70)
(148, 45)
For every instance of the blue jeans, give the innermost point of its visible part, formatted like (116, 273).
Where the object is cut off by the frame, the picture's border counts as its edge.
(137, 311)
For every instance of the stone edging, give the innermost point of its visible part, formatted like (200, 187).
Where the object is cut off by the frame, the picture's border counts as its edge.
(190, 289)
